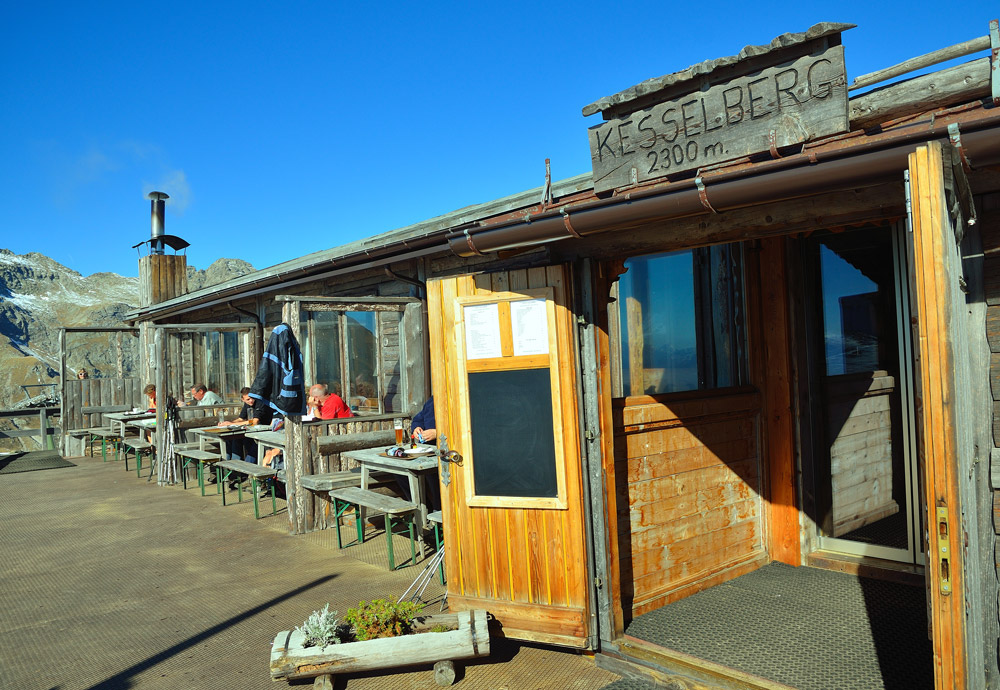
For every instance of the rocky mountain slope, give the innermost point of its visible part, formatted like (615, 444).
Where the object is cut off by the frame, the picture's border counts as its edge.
(39, 295)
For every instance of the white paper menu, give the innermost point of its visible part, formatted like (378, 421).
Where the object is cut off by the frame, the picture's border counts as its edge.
(529, 327)
(482, 331)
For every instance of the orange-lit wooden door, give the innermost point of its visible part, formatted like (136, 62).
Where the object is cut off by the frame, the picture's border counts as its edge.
(503, 377)
(945, 401)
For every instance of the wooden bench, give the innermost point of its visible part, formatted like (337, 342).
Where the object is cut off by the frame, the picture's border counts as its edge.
(224, 468)
(137, 445)
(393, 508)
(436, 519)
(202, 457)
(88, 434)
(106, 435)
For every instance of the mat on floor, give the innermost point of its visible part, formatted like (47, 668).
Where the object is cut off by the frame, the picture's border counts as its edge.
(808, 628)
(32, 460)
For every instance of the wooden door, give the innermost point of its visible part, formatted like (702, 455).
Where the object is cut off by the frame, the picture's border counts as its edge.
(503, 377)
(945, 396)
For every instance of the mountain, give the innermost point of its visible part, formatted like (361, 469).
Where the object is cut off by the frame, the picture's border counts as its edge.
(39, 295)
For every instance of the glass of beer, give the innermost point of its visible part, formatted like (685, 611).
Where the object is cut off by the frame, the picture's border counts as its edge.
(398, 423)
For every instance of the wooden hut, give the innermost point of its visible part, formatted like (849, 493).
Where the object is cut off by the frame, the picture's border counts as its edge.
(759, 331)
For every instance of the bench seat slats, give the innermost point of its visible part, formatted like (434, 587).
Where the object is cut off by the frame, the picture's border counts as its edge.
(248, 468)
(370, 499)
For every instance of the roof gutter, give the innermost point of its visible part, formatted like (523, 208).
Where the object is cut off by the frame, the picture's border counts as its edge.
(799, 175)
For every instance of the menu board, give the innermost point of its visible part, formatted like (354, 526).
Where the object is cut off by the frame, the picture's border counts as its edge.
(529, 327)
(482, 331)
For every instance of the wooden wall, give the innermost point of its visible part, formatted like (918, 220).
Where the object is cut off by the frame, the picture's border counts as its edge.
(87, 400)
(689, 494)
(989, 228)
(859, 423)
(306, 510)
(161, 277)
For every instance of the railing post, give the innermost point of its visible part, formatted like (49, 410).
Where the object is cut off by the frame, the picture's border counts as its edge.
(43, 428)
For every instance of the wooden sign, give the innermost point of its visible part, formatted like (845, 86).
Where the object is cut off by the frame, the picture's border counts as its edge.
(781, 105)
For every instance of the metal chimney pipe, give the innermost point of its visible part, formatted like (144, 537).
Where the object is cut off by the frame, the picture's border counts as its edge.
(157, 214)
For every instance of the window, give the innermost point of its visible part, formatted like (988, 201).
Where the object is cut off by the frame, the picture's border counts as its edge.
(356, 353)
(221, 369)
(682, 321)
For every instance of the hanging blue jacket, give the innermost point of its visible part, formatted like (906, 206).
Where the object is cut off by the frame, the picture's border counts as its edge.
(279, 380)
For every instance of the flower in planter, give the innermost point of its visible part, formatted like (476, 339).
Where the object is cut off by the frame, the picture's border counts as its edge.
(322, 628)
(382, 618)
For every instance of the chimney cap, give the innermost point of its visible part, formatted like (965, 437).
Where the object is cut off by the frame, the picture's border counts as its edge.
(157, 196)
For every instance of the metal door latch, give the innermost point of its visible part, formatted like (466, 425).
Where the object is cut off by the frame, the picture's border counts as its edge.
(943, 551)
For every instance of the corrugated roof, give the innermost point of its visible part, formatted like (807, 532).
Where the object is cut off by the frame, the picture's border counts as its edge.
(649, 87)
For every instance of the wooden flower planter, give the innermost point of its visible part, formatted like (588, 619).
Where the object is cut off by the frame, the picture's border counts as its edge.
(467, 637)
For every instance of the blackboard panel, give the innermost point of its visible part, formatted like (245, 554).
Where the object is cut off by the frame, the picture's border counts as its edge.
(513, 449)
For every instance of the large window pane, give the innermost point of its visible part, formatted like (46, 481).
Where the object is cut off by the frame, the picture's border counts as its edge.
(682, 321)
(231, 366)
(327, 348)
(362, 361)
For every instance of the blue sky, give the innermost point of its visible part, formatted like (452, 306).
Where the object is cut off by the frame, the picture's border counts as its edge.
(280, 129)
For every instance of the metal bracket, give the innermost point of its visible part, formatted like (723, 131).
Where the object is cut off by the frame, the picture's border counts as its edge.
(703, 194)
(547, 189)
(569, 226)
(955, 136)
(942, 530)
(995, 60)
(772, 144)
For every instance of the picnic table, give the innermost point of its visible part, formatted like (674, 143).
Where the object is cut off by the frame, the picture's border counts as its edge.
(415, 469)
(118, 420)
(209, 434)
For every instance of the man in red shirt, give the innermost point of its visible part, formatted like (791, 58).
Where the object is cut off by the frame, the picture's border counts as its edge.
(331, 405)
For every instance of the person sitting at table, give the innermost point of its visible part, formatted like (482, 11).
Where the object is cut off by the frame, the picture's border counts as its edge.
(331, 405)
(422, 424)
(82, 374)
(423, 431)
(312, 409)
(150, 392)
(253, 412)
(203, 396)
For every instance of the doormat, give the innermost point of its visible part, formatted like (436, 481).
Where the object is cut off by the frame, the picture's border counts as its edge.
(32, 460)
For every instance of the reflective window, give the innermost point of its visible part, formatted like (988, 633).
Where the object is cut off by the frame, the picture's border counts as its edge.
(682, 321)
(345, 347)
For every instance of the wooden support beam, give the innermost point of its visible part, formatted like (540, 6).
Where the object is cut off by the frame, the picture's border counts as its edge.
(963, 83)
(778, 414)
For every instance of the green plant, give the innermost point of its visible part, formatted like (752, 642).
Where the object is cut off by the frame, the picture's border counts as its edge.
(322, 628)
(440, 627)
(382, 618)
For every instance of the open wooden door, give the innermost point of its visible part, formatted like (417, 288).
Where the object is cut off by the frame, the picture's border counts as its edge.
(945, 409)
(503, 377)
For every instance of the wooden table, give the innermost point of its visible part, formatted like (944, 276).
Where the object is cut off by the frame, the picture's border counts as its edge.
(207, 434)
(414, 469)
(268, 439)
(121, 419)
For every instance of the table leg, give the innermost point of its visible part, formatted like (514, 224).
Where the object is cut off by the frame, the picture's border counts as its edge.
(417, 496)
(364, 485)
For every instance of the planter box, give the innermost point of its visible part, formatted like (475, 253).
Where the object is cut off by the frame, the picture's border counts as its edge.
(290, 660)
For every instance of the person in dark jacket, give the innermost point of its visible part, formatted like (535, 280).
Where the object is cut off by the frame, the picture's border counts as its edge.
(424, 429)
(254, 412)
(279, 382)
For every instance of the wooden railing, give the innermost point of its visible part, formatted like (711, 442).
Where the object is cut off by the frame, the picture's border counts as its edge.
(45, 431)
